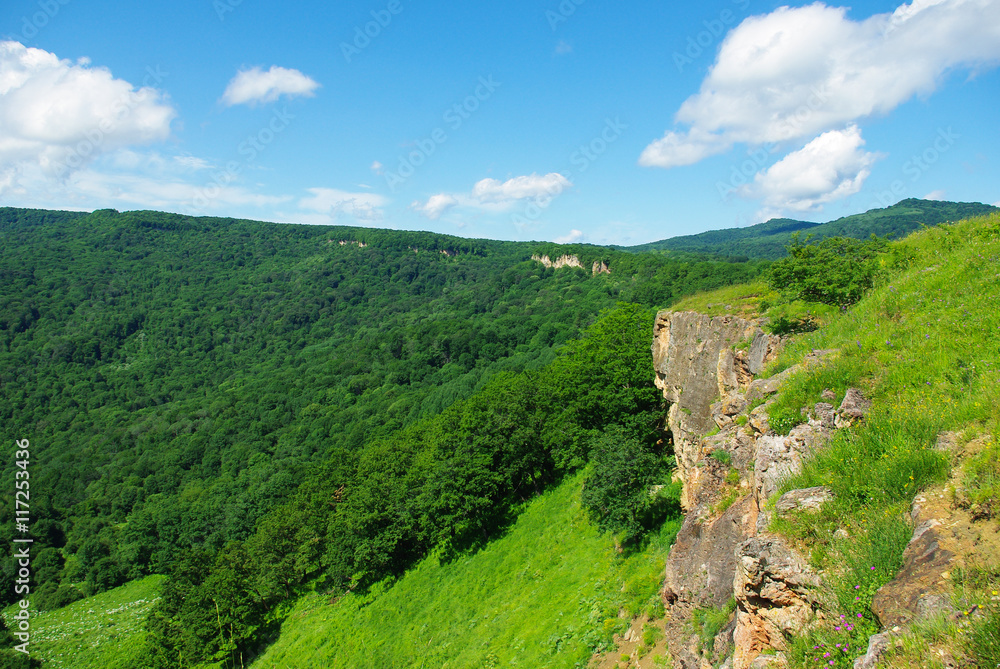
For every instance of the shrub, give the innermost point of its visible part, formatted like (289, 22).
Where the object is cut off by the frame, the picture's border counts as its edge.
(835, 271)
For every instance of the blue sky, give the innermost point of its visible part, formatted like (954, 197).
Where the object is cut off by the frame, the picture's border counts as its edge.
(576, 120)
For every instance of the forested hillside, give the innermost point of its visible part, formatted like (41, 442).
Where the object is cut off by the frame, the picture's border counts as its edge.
(179, 377)
(769, 239)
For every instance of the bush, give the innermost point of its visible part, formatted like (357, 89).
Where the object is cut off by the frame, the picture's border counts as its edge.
(835, 271)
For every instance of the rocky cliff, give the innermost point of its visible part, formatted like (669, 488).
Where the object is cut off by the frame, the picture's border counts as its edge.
(731, 464)
(713, 374)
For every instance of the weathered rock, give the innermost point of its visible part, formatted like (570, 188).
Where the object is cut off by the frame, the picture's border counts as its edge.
(803, 499)
(947, 441)
(776, 597)
(824, 414)
(732, 405)
(764, 387)
(854, 406)
(776, 661)
(763, 349)
(779, 458)
(828, 395)
(919, 587)
(702, 561)
(759, 419)
(686, 348)
(878, 644)
(560, 262)
(725, 372)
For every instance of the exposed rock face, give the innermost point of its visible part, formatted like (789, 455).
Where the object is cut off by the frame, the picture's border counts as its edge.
(701, 565)
(730, 478)
(777, 594)
(695, 366)
(599, 267)
(561, 261)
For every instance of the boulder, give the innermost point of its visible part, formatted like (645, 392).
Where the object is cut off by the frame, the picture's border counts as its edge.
(804, 499)
(764, 387)
(854, 407)
(776, 597)
(878, 644)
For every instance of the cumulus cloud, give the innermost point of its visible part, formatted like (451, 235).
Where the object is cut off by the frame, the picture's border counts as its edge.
(830, 167)
(493, 195)
(257, 86)
(338, 204)
(573, 237)
(935, 195)
(60, 116)
(435, 206)
(800, 71)
(520, 188)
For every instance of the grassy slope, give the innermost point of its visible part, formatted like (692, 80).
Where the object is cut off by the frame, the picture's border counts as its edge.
(544, 595)
(925, 347)
(104, 631)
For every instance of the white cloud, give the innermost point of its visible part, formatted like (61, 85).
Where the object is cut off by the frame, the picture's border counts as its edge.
(573, 236)
(338, 204)
(520, 188)
(377, 167)
(828, 168)
(495, 196)
(193, 162)
(797, 72)
(563, 47)
(255, 85)
(435, 206)
(60, 116)
(935, 195)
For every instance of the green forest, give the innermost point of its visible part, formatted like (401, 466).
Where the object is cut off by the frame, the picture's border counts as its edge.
(230, 402)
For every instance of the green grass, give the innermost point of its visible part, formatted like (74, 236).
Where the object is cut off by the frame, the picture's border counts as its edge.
(547, 594)
(743, 300)
(102, 632)
(709, 621)
(924, 346)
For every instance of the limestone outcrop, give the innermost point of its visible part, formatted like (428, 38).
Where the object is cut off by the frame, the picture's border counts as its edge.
(777, 596)
(731, 464)
(698, 367)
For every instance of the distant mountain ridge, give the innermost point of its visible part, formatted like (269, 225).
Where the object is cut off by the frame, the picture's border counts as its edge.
(768, 240)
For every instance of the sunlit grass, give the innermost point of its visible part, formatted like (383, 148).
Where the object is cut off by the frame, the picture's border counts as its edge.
(925, 347)
(545, 595)
(102, 632)
(743, 300)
